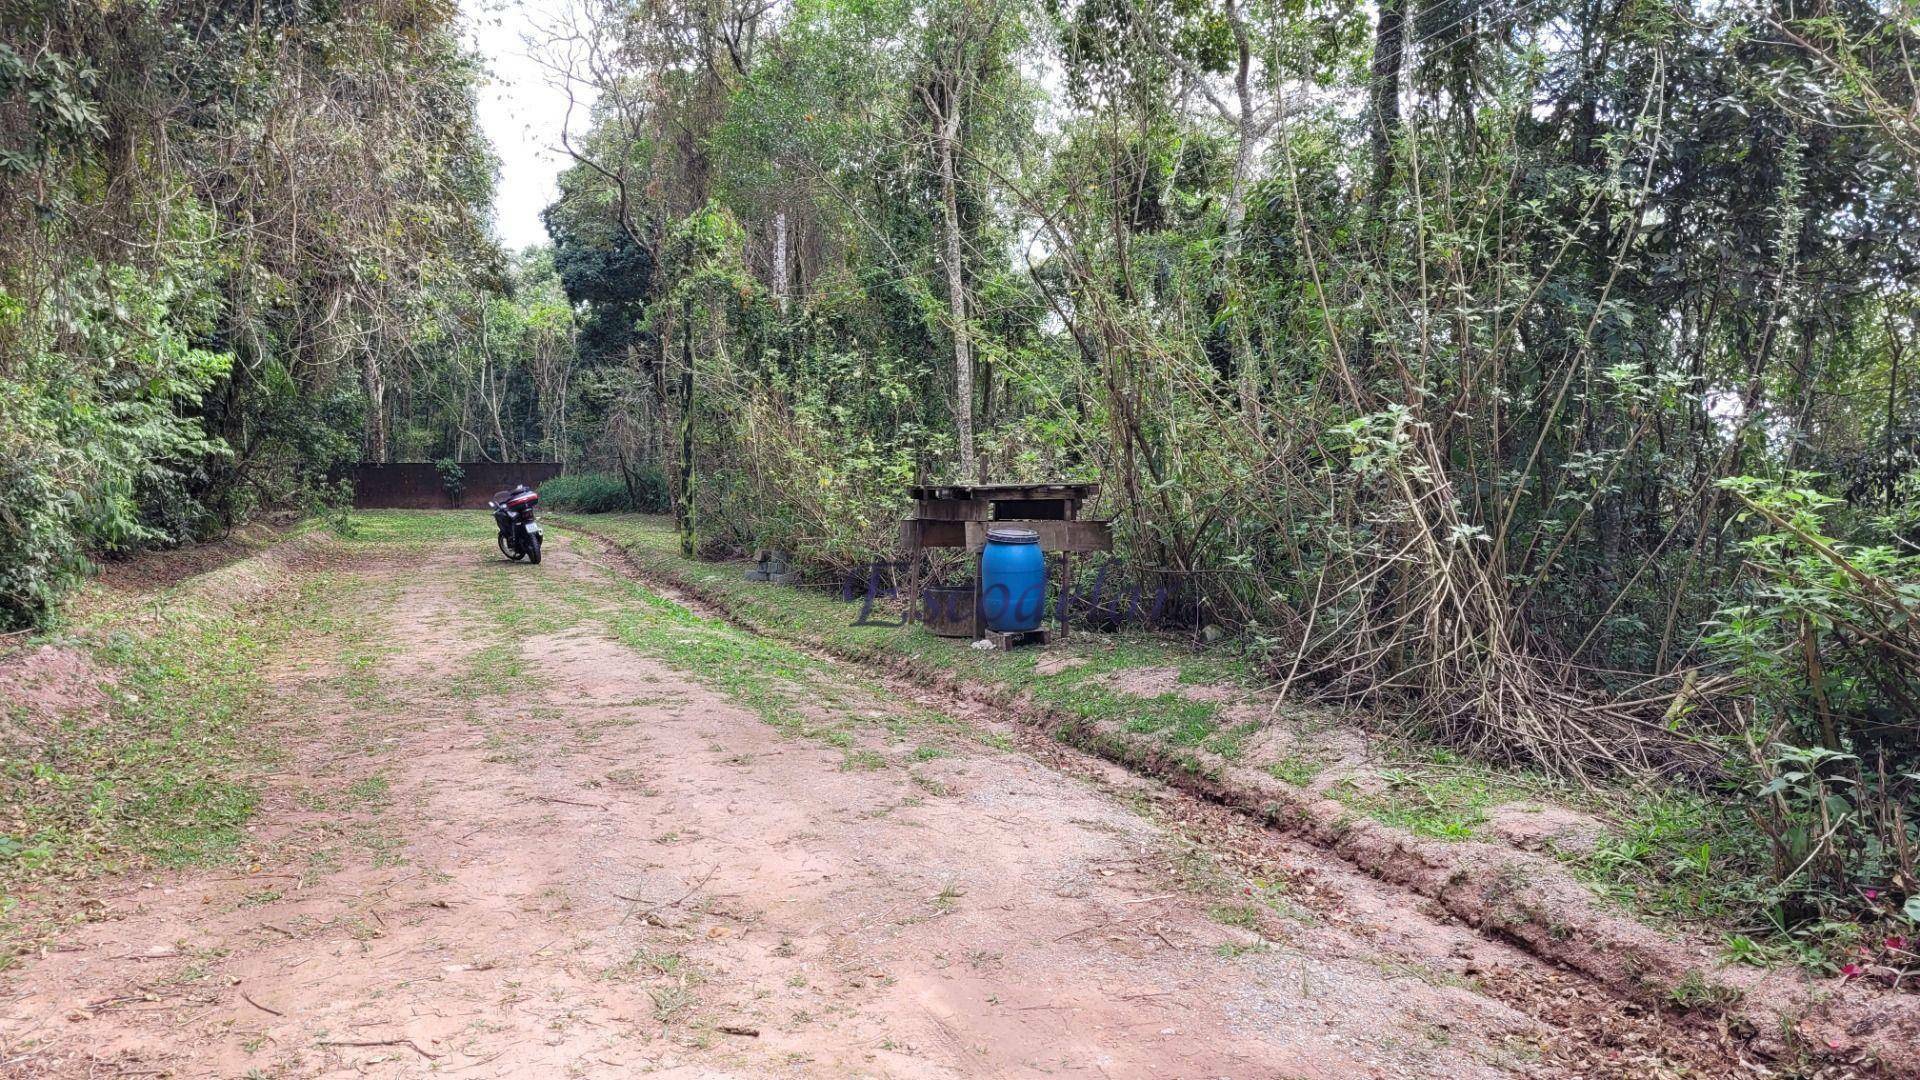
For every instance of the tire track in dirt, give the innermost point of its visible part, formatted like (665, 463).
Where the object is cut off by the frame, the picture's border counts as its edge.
(557, 853)
(1595, 1032)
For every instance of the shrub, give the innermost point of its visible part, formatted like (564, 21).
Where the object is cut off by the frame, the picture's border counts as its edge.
(100, 450)
(643, 489)
(1828, 647)
(332, 503)
(453, 479)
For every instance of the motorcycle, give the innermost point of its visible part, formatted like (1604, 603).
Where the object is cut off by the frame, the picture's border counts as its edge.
(519, 533)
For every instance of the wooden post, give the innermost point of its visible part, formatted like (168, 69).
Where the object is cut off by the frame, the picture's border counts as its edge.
(913, 586)
(979, 595)
(1066, 584)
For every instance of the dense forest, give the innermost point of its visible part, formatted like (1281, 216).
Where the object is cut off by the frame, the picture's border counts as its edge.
(241, 245)
(1541, 370)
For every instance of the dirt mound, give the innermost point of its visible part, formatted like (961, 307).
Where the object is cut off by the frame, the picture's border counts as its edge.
(1530, 899)
(150, 571)
(251, 581)
(230, 587)
(42, 684)
(1150, 682)
(1048, 666)
(1536, 826)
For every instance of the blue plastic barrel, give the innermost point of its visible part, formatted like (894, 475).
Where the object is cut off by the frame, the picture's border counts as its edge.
(1013, 580)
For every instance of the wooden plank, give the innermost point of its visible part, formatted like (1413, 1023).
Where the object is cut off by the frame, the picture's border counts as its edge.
(916, 534)
(952, 509)
(1011, 492)
(1036, 491)
(1080, 492)
(1006, 641)
(979, 611)
(1079, 536)
(1033, 509)
(1064, 591)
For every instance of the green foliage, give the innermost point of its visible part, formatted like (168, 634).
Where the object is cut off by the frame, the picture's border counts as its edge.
(1828, 652)
(333, 504)
(59, 95)
(453, 479)
(643, 491)
(95, 452)
(178, 350)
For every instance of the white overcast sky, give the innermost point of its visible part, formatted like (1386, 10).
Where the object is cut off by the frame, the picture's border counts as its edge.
(521, 112)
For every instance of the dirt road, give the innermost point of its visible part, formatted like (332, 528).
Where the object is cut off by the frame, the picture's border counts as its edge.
(538, 822)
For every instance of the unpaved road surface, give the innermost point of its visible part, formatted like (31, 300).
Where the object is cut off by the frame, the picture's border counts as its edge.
(537, 822)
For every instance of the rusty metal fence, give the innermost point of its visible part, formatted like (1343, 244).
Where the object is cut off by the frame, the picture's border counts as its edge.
(418, 485)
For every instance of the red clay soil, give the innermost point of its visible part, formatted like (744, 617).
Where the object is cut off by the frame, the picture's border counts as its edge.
(1511, 891)
(607, 866)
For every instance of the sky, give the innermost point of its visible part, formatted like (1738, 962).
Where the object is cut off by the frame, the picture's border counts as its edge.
(521, 111)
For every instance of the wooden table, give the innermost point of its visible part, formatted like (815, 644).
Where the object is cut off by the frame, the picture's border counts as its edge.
(958, 516)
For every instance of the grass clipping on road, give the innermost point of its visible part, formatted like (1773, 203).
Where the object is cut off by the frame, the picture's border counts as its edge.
(132, 739)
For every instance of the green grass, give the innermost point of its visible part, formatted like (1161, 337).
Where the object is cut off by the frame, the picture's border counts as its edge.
(1244, 916)
(371, 791)
(783, 685)
(1231, 742)
(1441, 806)
(414, 527)
(1696, 991)
(1297, 768)
(787, 688)
(1083, 690)
(1679, 856)
(164, 775)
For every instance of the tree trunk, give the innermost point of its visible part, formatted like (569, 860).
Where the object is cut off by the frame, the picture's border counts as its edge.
(375, 448)
(626, 472)
(780, 260)
(956, 288)
(687, 544)
(1383, 93)
(1389, 45)
(1239, 335)
(490, 391)
(1243, 128)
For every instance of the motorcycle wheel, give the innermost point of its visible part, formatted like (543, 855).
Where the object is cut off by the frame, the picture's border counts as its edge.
(507, 550)
(533, 549)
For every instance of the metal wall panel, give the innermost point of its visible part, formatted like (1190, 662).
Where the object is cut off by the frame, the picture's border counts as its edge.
(415, 485)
